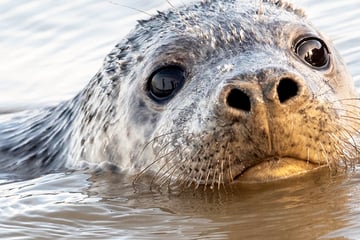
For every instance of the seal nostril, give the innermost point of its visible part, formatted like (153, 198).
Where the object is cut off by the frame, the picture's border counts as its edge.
(239, 100)
(287, 89)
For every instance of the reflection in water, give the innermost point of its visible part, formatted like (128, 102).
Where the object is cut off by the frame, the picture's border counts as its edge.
(301, 208)
(65, 42)
(81, 205)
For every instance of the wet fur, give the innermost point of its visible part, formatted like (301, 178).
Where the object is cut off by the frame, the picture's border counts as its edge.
(113, 120)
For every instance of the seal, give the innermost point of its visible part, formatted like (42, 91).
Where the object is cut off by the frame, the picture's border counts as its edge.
(208, 93)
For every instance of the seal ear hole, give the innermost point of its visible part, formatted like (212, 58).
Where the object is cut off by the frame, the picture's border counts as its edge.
(165, 82)
(287, 89)
(239, 100)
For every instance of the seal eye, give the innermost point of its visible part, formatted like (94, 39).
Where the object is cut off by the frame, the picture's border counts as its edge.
(165, 82)
(313, 51)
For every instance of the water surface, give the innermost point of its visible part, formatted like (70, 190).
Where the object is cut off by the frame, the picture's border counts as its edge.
(50, 50)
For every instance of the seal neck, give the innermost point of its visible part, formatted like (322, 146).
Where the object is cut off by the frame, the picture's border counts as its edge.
(36, 142)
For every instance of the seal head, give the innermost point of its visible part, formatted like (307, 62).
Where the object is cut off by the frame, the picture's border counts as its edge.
(262, 95)
(210, 93)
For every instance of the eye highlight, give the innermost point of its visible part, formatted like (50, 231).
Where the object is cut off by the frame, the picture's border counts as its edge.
(165, 82)
(313, 52)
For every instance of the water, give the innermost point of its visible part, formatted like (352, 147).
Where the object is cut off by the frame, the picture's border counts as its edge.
(49, 51)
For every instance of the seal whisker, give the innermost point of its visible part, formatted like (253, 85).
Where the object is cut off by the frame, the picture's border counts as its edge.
(157, 159)
(230, 168)
(201, 172)
(346, 99)
(352, 105)
(352, 119)
(167, 160)
(207, 176)
(157, 138)
(324, 93)
(217, 175)
(213, 180)
(340, 154)
(132, 8)
(350, 134)
(221, 175)
(227, 158)
(345, 110)
(168, 178)
(308, 154)
(326, 156)
(183, 177)
(180, 99)
(186, 174)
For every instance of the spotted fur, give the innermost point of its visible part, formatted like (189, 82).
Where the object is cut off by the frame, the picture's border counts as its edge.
(196, 137)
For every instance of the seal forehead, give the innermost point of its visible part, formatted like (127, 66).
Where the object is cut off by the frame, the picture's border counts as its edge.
(216, 23)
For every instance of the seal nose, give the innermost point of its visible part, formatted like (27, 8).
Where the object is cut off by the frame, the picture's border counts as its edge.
(238, 99)
(240, 96)
(287, 89)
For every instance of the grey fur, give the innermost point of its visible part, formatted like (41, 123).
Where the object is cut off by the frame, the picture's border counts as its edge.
(195, 137)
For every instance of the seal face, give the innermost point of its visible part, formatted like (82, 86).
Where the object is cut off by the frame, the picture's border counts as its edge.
(208, 93)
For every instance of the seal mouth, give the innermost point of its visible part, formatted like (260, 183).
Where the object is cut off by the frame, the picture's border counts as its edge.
(276, 169)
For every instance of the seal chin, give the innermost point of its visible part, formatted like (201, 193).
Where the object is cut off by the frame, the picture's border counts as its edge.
(276, 169)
